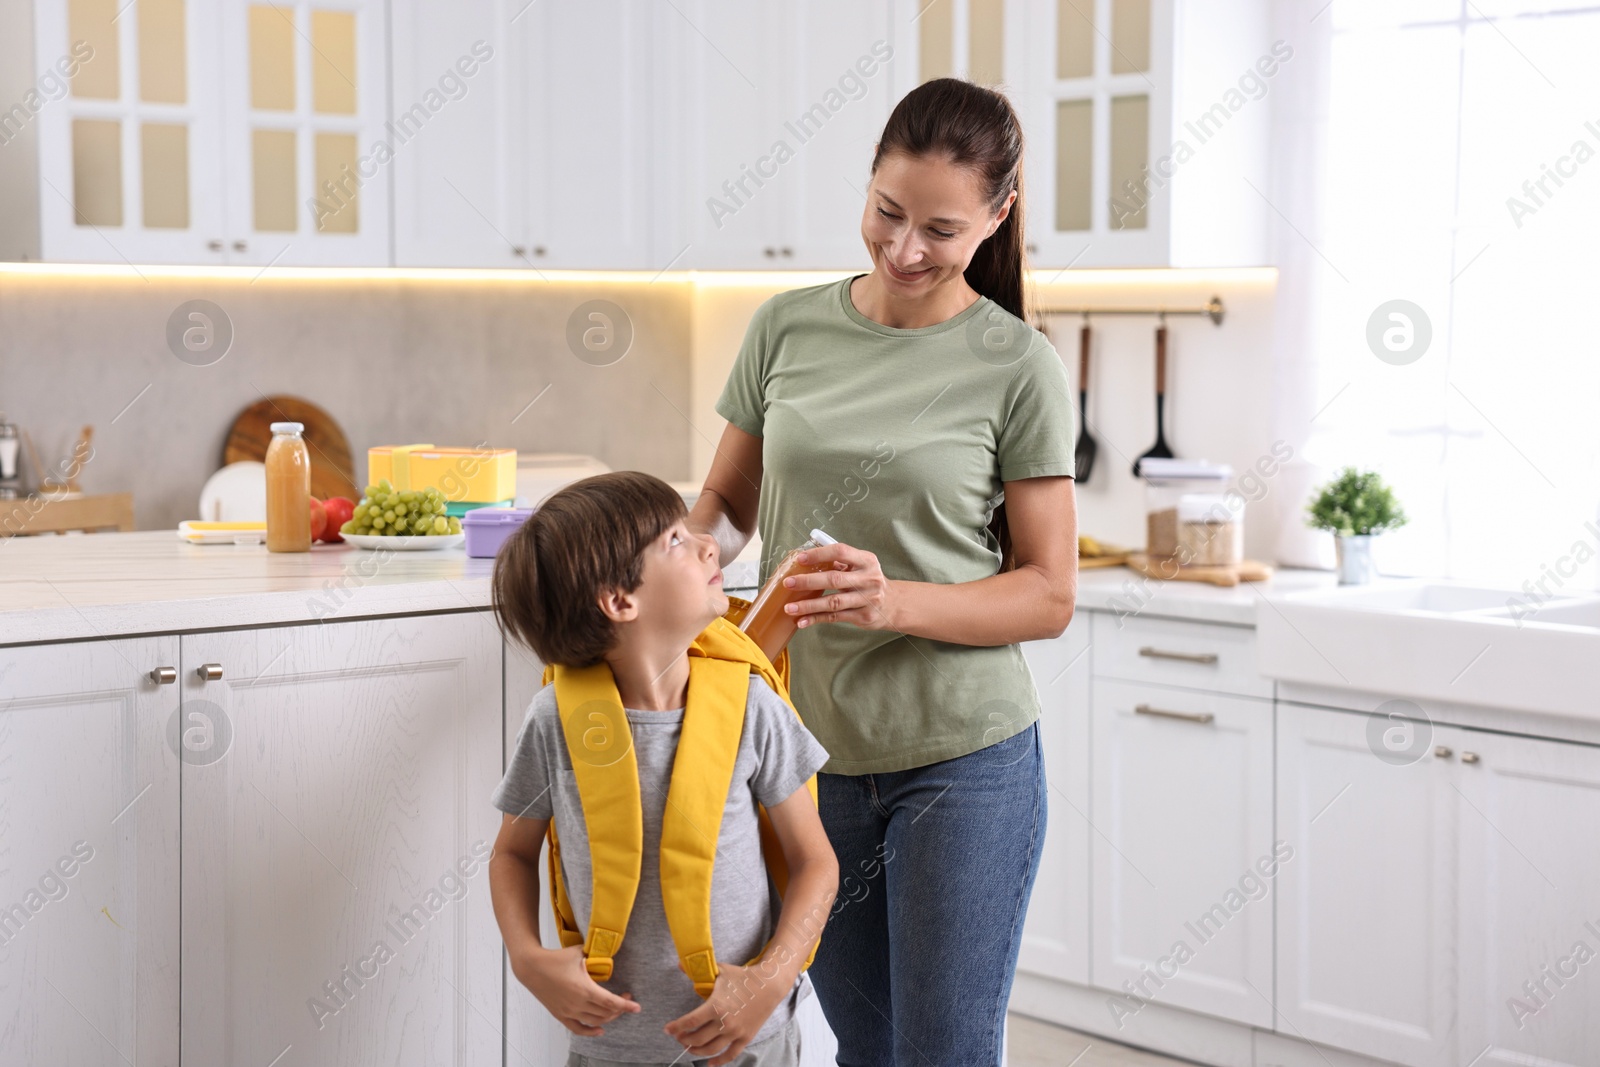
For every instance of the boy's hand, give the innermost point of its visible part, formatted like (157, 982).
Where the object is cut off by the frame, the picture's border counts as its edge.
(740, 1002)
(558, 979)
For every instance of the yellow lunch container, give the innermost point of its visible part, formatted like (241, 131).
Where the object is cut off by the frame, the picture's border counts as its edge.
(480, 474)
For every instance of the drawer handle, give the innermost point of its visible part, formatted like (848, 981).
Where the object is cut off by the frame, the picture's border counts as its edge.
(164, 675)
(210, 672)
(1187, 657)
(1186, 716)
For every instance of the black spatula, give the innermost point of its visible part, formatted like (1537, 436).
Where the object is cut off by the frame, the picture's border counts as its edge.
(1160, 449)
(1083, 455)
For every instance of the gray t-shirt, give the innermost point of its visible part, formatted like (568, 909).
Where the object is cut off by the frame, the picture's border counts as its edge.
(776, 756)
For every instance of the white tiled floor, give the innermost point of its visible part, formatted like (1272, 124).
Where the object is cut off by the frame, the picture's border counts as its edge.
(1036, 1044)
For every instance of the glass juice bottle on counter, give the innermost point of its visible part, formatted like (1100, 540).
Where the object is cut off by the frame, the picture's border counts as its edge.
(767, 623)
(288, 490)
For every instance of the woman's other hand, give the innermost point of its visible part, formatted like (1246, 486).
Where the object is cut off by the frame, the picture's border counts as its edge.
(862, 599)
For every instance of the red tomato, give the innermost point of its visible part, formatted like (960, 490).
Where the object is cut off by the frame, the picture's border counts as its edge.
(340, 511)
(319, 518)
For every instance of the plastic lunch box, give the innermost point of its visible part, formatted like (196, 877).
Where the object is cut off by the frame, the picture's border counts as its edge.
(488, 528)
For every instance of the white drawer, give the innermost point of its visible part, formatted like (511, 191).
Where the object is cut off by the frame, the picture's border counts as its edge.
(1199, 655)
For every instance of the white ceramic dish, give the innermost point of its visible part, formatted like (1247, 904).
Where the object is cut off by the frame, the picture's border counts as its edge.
(408, 542)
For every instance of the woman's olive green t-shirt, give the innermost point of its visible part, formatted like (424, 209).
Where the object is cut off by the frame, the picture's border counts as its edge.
(897, 442)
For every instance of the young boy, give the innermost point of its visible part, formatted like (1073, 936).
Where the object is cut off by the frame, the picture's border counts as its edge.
(607, 571)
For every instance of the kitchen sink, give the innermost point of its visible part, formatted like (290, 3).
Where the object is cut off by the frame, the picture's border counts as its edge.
(1440, 641)
(1441, 597)
(1567, 612)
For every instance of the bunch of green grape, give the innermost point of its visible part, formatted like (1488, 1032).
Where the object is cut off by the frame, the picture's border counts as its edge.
(408, 512)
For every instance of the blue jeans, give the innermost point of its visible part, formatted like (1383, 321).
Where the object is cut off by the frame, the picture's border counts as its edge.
(936, 864)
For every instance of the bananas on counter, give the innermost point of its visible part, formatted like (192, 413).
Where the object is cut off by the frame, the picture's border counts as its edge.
(1089, 548)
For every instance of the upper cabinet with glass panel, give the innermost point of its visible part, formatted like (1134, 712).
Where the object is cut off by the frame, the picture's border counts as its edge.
(182, 131)
(1144, 120)
(112, 131)
(306, 132)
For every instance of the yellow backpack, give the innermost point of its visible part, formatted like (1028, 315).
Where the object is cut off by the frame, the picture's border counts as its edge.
(601, 746)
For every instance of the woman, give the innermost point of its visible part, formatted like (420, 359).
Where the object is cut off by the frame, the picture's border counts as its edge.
(913, 415)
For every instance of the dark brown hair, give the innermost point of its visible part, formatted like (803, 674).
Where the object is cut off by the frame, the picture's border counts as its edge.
(976, 129)
(584, 539)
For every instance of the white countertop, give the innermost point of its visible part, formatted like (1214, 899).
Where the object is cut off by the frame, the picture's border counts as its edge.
(62, 588)
(1117, 590)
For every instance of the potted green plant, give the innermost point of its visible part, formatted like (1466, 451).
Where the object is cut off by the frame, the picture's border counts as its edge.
(1353, 507)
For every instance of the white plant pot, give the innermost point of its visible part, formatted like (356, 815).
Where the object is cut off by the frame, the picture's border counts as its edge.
(1354, 561)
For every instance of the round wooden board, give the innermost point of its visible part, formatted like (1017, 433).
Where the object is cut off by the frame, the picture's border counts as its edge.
(331, 471)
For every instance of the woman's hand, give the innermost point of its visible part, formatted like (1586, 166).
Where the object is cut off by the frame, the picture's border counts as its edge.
(863, 598)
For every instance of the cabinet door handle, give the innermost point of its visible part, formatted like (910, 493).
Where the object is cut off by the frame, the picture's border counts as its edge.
(1186, 716)
(787, 251)
(164, 675)
(538, 250)
(1443, 752)
(769, 252)
(214, 244)
(211, 672)
(519, 250)
(1186, 657)
(1469, 757)
(240, 246)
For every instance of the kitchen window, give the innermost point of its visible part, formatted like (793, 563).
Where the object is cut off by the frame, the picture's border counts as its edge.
(1455, 165)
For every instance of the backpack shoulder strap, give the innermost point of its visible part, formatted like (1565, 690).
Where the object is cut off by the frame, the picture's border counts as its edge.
(601, 746)
(702, 774)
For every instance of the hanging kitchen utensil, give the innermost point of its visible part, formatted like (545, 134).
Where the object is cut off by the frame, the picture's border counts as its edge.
(1160, 449)
(1084, 453)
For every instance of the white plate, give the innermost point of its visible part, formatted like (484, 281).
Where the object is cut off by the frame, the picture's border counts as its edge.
(236, 493)
(408, 542)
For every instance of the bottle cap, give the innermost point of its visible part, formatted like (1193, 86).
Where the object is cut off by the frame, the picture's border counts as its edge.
(288, 427)
(821, 538)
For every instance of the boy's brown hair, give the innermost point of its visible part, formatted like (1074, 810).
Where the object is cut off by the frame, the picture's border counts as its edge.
(585, 538)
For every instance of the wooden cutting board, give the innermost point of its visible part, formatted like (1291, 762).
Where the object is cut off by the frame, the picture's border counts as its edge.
(1089, 563)
(1232, 574)
(332, 473)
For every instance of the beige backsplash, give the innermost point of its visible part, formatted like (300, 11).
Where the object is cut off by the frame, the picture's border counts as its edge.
(457, 358)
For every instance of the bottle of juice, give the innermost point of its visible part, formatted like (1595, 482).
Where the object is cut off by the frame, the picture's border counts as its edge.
(288, 490)
(767, 623)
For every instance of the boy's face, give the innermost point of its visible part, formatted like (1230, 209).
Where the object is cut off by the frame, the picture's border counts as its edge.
(681, 587)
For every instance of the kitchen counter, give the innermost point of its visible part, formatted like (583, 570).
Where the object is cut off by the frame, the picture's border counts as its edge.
(1120, 591)
(74, 587)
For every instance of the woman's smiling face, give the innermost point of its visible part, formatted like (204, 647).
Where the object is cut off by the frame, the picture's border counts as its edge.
(924, 219)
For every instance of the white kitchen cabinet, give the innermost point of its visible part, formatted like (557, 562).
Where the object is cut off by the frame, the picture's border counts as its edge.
(595, 134)
(1140, 138)
(116, 154)
(306, 99)
(1528, 814)
(335, 884)
(781, 105)
(1055, 934)
(532, 1034)
(205, 133)
(1184, 862)
(459, 195)
(1367, 913)
(89, 854)
(1210, 656)
(549, 154)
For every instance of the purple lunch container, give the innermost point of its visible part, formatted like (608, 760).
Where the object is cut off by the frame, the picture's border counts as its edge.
(488, 528)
